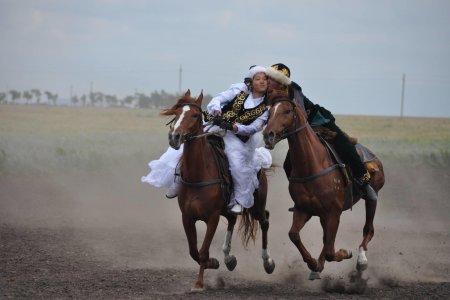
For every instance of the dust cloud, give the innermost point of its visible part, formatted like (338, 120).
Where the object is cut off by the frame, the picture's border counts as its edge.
(130, 225)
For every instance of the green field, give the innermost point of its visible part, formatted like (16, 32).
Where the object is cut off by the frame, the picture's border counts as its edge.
(48, 139)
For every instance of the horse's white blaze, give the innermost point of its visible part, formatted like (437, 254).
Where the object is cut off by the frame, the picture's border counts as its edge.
(180, 119)
(275, 108)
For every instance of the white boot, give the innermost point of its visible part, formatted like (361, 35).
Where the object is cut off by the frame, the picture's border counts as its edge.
(173, 190)
(236, 209)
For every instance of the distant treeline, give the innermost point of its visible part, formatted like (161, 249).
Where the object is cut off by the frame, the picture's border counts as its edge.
(95, 99)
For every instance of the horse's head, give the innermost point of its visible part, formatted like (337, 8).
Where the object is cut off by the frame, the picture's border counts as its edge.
(187, 121)
(282, 119)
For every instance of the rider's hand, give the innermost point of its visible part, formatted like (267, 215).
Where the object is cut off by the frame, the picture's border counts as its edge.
(226, 125)
(216, 120)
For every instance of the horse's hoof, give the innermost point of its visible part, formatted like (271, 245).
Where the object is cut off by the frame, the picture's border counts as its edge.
(213, 264)
(269, 265)
(231, 262)
(361, 266)
(196, 289)
(314, 275)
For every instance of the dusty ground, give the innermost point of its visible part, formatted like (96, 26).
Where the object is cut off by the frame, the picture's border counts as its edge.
(110, 237)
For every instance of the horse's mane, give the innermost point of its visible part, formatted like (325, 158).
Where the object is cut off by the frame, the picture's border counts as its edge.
(171, 111)
(277, 95)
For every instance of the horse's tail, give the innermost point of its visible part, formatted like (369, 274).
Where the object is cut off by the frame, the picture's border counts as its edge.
(248, 228)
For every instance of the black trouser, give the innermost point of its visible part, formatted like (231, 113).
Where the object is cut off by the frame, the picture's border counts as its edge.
(344, 148)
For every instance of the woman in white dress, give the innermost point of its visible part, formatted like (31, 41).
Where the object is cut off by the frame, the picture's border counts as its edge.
(243, 113)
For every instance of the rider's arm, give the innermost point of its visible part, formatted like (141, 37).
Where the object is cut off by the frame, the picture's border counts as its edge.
(216, 104)
(253, 127)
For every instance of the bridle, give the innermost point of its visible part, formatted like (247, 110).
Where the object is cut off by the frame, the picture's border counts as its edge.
(297, 129)
(192, 136)
(284, 134)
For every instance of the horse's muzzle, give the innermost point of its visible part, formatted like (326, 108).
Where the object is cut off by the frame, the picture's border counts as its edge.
(270, 139)
(175, 140)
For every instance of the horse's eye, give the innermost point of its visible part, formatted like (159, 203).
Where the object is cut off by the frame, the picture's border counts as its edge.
(195, 116)
(287, 111)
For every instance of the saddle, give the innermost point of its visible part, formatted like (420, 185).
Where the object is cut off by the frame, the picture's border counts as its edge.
(364, 153)
(218, 146)
(327, 136)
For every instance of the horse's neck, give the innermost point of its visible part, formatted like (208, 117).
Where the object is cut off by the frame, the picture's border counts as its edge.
(308, 155)
(197, 158)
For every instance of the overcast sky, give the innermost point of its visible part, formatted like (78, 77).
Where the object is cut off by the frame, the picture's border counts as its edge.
(348, 55)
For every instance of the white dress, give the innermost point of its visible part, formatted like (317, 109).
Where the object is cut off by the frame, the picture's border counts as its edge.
(245, 158)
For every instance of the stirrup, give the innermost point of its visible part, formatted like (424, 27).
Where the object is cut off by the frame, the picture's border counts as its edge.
(237, 209)
(173, 191)
(370, 192)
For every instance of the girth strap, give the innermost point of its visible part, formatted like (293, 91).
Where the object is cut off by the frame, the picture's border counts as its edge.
(201, 184)
(312, 177)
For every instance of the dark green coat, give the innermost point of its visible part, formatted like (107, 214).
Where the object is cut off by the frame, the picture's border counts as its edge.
(317, 115)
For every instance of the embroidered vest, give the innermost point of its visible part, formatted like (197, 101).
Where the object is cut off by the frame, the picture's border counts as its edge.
(234, 112)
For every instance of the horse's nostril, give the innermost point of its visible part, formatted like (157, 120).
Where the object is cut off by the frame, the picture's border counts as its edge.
(174, 136)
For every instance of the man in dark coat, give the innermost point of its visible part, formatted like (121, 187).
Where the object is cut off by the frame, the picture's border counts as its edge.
(279, 79)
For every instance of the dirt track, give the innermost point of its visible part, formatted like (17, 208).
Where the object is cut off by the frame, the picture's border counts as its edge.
(108, 236)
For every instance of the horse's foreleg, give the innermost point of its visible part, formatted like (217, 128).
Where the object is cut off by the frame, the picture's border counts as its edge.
(368, 232)
(205, 261)
(299, 220)
(330, 225)
(269, 263)
(191, 234)
(230, 260)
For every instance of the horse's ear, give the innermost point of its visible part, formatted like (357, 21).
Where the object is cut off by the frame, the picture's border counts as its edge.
(188, 93)
(199, 99)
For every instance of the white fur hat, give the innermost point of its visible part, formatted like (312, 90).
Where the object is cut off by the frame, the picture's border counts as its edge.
(255, 70)
(279, 73)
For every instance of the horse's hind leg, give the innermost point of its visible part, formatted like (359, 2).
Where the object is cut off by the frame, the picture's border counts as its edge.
(230, 260)
(269, 263)
(368, 232)
(205, 261)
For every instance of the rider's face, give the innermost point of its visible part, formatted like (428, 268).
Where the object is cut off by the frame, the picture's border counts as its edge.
(273, 85)
(259, 83)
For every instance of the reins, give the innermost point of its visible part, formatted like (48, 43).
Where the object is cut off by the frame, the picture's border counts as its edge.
(190, 137)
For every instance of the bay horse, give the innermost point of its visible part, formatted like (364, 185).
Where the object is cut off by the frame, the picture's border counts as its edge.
(201, 195)
(317, 185)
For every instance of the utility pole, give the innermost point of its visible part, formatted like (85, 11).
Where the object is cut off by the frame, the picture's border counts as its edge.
(179, 80)
(403, 96)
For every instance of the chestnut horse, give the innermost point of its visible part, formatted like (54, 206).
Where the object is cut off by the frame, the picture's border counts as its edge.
(317, 185)
(201, 195)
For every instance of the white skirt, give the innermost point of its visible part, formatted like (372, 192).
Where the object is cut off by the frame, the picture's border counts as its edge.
(244, 158)
(162, 172)
(245, 162)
